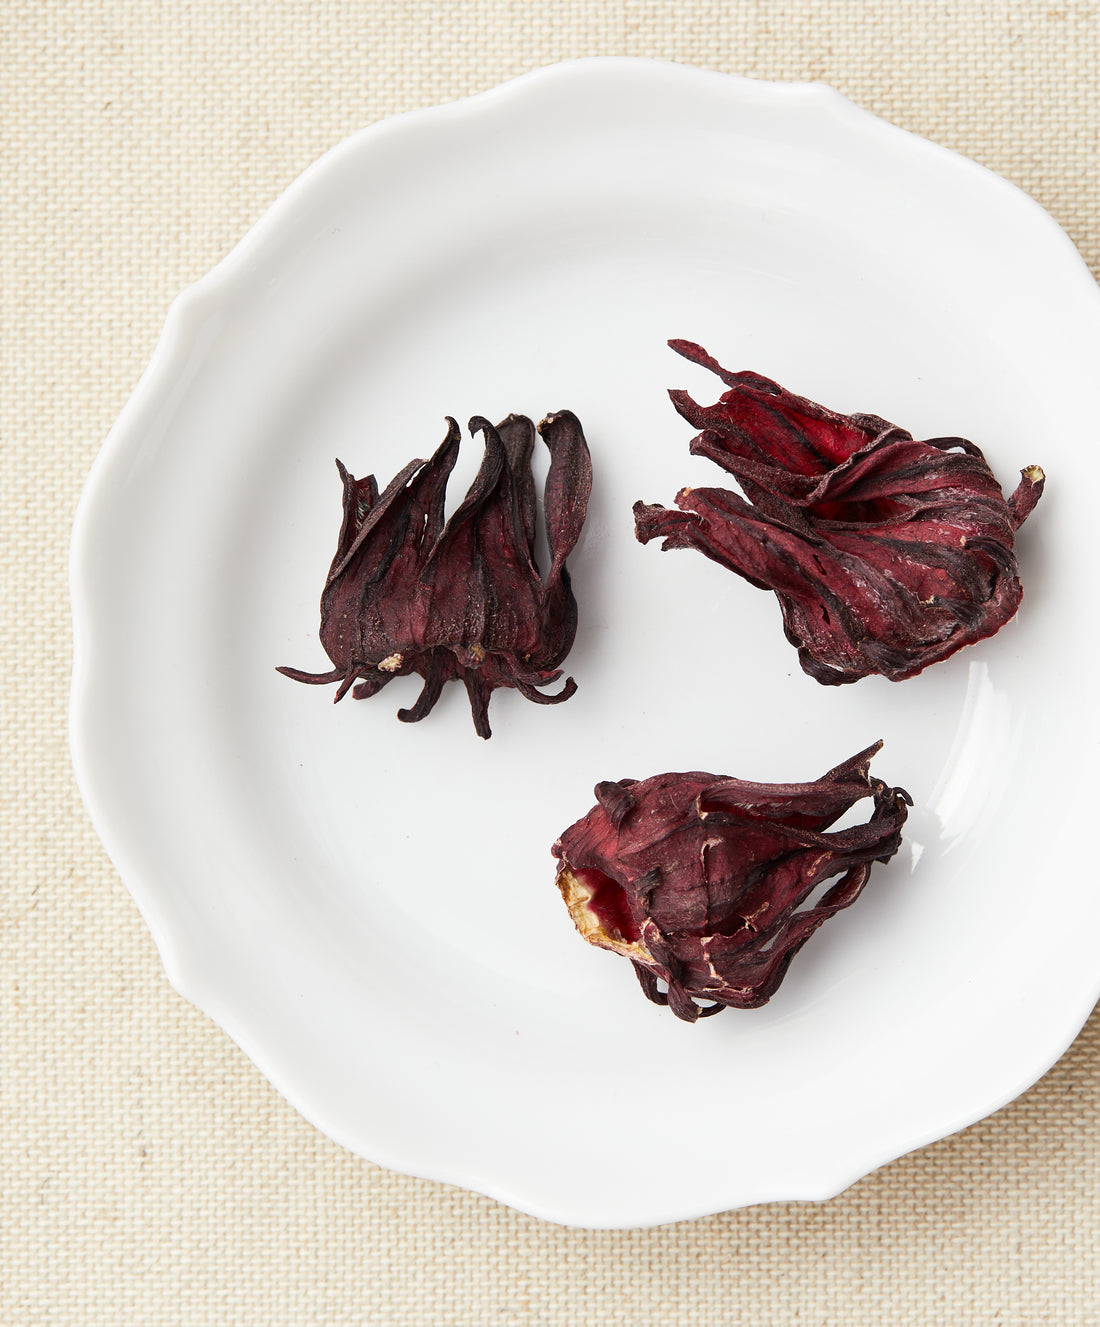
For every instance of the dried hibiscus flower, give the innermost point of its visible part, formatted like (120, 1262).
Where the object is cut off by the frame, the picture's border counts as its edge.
(407, 593)
(886, 554)
(698, 879)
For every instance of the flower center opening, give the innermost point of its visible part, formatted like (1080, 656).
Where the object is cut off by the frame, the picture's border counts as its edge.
(608, 904)
(600, 909)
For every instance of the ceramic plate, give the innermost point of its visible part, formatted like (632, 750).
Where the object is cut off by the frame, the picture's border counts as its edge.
(367, 907)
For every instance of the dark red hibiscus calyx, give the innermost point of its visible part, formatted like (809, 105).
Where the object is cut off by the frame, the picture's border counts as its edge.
(408, 593)
(886, 554)
(702, 881)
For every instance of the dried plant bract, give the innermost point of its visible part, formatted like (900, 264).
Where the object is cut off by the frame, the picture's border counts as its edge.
(703, 881)
(886, 554)
(462, 599)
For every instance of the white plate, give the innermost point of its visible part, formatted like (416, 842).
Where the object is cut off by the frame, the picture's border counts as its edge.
(369, 908)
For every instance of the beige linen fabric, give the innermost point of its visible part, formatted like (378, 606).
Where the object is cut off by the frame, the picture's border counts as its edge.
(148, 1174)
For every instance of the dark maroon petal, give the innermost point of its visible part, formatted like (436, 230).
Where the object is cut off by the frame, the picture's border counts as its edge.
(399, 501)
(360, 499)
(461, 600)
(479, 692)
(568, 486)
(703, 882)
(435, 675)
(371, 686)
(529, 689)
(314, 679)
(363, 621)
(886, 553)
(517, 434)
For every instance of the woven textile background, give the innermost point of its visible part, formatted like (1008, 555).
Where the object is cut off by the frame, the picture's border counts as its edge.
(148, 1175)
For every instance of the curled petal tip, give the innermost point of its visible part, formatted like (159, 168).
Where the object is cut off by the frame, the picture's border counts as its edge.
(1027, 494)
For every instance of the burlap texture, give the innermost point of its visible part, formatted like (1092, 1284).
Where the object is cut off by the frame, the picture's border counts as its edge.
(149, 1174)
